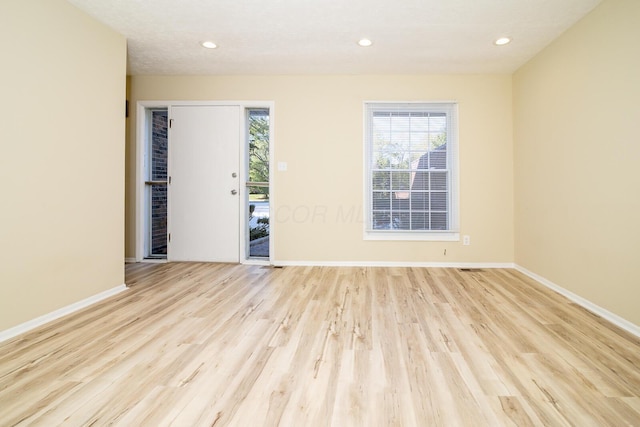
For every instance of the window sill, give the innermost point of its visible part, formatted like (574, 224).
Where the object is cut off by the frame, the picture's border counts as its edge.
(427, 236)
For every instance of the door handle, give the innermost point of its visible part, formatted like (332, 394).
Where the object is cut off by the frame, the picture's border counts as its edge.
(234, 192)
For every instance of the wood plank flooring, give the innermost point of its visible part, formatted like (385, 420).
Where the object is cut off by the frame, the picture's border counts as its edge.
(195, 344)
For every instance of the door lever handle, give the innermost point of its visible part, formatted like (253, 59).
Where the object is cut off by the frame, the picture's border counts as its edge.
(234, 192)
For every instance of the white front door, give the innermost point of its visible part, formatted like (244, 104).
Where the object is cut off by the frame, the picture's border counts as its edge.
(204, 201)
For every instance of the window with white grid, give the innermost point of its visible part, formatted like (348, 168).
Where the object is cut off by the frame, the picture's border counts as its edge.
(411, 171)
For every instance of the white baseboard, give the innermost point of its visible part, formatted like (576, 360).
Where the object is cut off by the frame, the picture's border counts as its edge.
(39, 321)
(254, 261)
(393, 264)
(596, 309)
(146, 260)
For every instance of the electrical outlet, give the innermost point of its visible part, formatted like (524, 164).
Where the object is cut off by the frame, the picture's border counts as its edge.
(466, 240)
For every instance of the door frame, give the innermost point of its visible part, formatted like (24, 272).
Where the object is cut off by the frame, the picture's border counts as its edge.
(142, 135)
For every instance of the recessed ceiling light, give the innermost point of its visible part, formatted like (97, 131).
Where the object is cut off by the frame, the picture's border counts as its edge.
(209, 45)
(365, 42)
(502, 41)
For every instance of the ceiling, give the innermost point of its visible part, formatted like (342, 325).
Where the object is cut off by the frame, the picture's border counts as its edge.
(320, 36)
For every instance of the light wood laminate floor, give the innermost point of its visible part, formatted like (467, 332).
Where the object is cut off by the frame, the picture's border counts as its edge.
(194, 344)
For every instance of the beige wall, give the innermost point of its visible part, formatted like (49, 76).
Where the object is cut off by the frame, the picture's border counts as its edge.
(318, 132)
(62, 82)
(577, 160)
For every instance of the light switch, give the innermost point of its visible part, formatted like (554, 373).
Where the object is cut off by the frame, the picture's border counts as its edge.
(282, 166)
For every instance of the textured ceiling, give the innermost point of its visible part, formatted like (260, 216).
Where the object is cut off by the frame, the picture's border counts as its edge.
(320, 36)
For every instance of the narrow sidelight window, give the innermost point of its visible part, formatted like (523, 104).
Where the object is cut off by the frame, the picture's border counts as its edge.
(258, 182)
(156, 181)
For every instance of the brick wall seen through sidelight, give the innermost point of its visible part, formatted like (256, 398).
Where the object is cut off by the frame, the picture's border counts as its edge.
(159, 153)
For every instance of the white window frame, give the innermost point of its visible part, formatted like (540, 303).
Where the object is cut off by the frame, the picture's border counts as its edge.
(451, 109)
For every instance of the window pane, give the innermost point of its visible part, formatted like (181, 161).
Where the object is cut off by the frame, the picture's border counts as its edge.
(437, 122)
(419, 221)
(438, 180)
(400, 180)
(381, 127)
(381, 220)
(381, 201)
(438, 201)
(258, 201)
(420, 181)
(391, 155)
(438, 158)
(258, 222)
(419, 200)
(400, 220)
(401, 159)
(420, 123)
(439, 221)
(401, 124)
(158, 219)
(381, 180)
(157, 173)
(415, 158)
(422, 162)
(259, 146)
(419, 141)
(402, 140)
(401, 201)
(159, 145)
(437, 140)
(380, 161)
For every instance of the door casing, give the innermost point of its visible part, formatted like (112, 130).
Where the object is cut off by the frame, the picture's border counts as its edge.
(141, 138)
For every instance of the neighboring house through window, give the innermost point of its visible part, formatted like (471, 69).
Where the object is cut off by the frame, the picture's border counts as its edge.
(411, 171)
